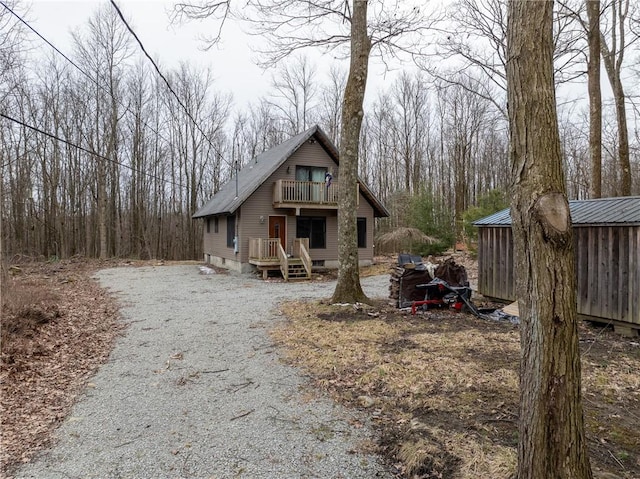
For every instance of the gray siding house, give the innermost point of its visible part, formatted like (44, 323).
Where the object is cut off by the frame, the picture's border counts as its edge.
(279, 212)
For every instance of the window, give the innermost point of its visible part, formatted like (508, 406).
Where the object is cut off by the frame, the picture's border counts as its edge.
(215, 225)
(311, 192)
(310, 173)
(362, 232)
(314, 228)
(208, 225)
(231, 230)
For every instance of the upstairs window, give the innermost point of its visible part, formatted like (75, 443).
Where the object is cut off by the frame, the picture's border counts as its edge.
(310, 173)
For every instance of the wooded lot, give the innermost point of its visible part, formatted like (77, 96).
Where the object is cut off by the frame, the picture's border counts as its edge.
(100, 158)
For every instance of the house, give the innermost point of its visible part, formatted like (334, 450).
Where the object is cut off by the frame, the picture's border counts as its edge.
(607, 246)
(279, 212)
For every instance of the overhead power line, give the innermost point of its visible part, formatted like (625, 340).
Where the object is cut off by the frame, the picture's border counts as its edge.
(110, 93)
(91, 152)
(182, 105)
(89, 76)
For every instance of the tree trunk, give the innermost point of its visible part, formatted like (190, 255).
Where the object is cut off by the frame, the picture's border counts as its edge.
(595, 98)
(348, 288)
(623, 137)
(552, 438)
(102, 209)
(613, 58)
(4, 266)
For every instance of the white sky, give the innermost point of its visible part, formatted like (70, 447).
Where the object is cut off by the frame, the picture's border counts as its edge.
(233, 67)
(231, 63)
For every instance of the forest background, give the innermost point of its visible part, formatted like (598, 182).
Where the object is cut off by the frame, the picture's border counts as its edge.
(101, 158)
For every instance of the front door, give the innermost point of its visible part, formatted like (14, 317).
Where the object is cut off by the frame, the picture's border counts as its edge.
(277, 229)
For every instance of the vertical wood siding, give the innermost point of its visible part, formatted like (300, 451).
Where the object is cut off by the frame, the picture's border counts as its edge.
(495, 263)
(607, 269)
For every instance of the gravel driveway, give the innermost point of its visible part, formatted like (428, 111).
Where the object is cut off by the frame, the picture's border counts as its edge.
(195, 389)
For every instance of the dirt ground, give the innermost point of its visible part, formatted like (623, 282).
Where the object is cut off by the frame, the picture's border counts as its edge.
(440, 387)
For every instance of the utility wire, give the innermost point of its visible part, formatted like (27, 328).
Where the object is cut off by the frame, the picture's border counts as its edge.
(91, 152)
(186, 110)
(90, 77)
(46, 41)
(110, 93)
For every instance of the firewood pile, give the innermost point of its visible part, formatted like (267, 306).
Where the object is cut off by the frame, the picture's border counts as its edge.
(411, 271)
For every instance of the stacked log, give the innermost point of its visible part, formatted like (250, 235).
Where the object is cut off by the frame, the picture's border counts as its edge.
(452, 273)
(403, 282)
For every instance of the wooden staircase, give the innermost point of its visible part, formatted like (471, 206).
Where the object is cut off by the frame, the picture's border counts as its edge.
(296, 270)
(267, 254)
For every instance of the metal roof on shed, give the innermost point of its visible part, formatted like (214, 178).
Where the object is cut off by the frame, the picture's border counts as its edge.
(601, 211)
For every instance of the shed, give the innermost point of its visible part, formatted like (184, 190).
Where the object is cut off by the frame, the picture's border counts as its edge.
(607, 247)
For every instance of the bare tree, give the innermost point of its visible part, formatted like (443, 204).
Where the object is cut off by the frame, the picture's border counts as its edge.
(474, 35)
(613, 51)
(552, 435)
(103, 50)
(11, 45)
(294, 93)
(595, 97)
(410, 96)
(611, 30)
(10, 41)
(464, 116)
(330, 108)
(348, 288)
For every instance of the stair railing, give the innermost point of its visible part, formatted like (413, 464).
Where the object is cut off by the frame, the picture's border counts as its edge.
(301, 246)
(284, 262)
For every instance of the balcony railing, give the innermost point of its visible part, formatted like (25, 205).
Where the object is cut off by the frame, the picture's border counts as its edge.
(296, 194)
(264, 249)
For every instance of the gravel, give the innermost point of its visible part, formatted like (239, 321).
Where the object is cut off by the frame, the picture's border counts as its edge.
(195, 389)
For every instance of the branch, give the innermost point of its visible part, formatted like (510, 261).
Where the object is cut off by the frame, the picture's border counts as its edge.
(221, 11)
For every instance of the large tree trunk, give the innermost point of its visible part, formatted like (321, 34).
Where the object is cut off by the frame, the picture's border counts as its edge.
(552, 438)
(595, 98)
(348, 288)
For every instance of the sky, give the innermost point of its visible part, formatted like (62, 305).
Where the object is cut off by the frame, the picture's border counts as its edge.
(232, 62)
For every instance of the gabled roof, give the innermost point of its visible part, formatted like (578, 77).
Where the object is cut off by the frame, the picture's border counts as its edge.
(229, 198)
(623, 210)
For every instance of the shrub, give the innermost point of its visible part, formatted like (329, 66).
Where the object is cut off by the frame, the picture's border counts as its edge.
(489, 203)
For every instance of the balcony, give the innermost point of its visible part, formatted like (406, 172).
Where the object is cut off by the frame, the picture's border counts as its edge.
(305, 194)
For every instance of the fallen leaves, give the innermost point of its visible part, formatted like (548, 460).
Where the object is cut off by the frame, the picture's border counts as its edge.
(61, 331)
